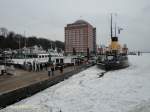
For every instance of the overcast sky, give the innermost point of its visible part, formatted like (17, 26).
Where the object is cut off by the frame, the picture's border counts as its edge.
(47, 18)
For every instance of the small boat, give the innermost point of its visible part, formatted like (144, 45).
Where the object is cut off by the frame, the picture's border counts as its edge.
(115, 56)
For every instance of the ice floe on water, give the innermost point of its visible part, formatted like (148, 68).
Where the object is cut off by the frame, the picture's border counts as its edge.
(125, 90)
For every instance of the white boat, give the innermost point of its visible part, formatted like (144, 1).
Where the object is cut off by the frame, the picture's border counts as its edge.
(39, 58)
(36, 54)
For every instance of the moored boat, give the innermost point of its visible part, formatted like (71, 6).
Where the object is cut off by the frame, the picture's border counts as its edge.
(115, 56)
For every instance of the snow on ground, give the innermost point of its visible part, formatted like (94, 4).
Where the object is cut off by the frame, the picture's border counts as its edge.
(126, 90)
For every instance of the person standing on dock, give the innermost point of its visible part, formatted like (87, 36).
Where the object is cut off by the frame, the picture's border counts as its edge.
(35, 66)
(38, 67)
(74, 65)
(49, 71)
(61, 69)
(46, 64)
(52, 69)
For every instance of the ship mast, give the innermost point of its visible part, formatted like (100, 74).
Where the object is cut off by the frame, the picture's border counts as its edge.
(111, 27)
(115, 30)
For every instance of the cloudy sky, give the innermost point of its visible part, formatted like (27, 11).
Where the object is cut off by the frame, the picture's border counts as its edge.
(47, 18)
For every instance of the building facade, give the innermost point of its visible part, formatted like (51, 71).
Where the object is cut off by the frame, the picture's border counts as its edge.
(94, 41)
(80, 37)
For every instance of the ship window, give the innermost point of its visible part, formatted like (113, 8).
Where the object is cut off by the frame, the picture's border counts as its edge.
(30, 56)
(57, 60)
(110, 57)
(61, 61)
(35, 56)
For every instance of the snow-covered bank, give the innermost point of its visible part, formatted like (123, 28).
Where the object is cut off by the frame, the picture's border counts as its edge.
(126, 90)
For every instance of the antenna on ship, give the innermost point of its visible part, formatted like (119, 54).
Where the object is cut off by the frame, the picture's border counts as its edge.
(51, 45)
(25, 39)
(111, 27)
(19, 43)
(115, 29)
(115, 25)
(25, 45)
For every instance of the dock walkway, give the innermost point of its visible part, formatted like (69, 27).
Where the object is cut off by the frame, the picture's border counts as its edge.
(25, 78)
(24, 83)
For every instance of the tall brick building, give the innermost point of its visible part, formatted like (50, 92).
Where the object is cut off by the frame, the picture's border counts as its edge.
(80, 36)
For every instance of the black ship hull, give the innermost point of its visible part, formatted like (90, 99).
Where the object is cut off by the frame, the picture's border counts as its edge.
(113, 65)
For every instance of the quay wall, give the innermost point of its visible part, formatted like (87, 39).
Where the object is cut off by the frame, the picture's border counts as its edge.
(14, 96)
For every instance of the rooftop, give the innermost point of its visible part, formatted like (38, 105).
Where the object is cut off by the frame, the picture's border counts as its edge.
(81, 22)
